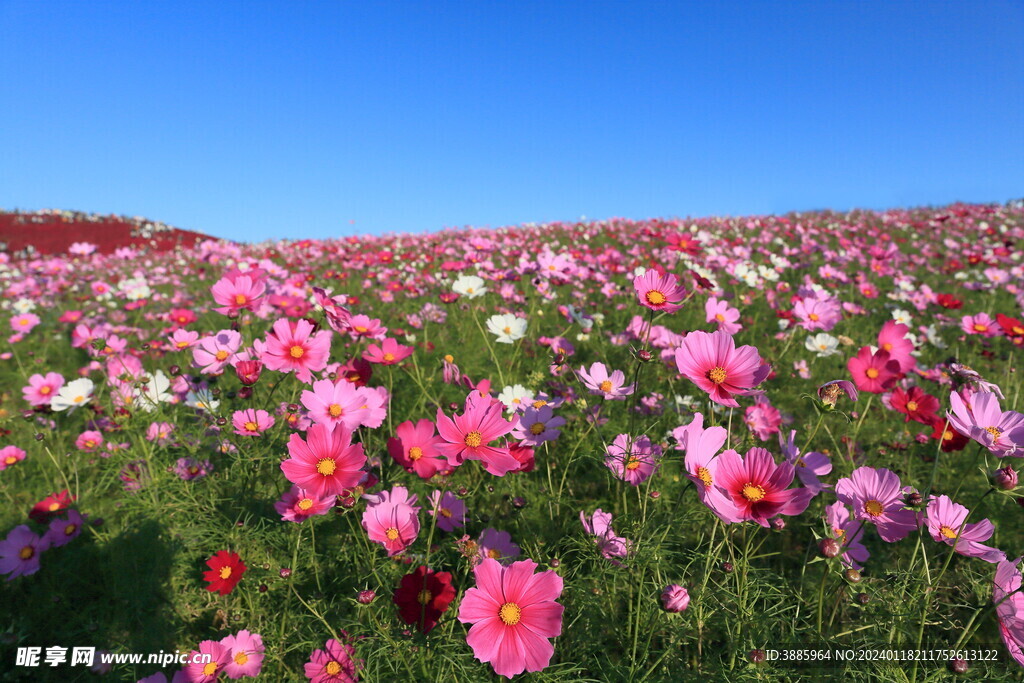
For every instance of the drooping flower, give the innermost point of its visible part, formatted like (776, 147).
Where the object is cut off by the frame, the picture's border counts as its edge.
(632, 460)
(226, 569)
(245, 654)
(393, 521)
(829, 392)
(423, 596)
(713, 363)
(326, 463)
(659, 291)
(850, 534)
(468, 436)
(876, 496)
(759, 487)
(946, 523)
(513, 614)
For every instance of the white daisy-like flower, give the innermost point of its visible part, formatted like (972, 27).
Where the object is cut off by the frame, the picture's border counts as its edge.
(901, 316)
(508, 328)
(515, 397)
(155, 392)
(822, 344)
(469, 286)
(202, 399)
(73, 394)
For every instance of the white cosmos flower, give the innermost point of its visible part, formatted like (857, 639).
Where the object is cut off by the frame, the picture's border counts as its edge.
(202, 399)
(822, 344)
(515, 397)
(73, 394)
(508, 328)
(155, 392)
(469, 286)
(901, 316)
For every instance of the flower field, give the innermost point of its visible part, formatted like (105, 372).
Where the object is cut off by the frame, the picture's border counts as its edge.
(662, 450)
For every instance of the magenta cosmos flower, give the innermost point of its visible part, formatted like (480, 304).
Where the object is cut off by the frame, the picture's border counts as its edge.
(251, 422)
(237, 292)
(245, 654)
(659, 291)
(701, 464)
(850, 534)
(393, 521)
(609, 544)
(713, 363)
(467, 436)
(675, 598)
(389, 352)
(10, 455)
(294, 347)
(414, 447)
(338, 402)
(210, 671)
(326, 463)
(758, 487)
(42, 388)
(298, 505)
(720, 312)
(632, 460)
(1009, 601)
(336, 663)
(983, 420)
(610, 386)
(873, 372)
(876, 496)
(893, 338)
(946, 523)
(20, 551)
(513, 614)
(449, 510)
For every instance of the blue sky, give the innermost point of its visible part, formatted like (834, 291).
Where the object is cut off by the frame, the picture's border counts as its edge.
(252, 120)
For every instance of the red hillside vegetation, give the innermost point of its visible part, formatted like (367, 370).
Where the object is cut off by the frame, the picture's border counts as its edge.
(53, 232)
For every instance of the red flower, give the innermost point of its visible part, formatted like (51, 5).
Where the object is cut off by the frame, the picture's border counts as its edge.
(1012, 328)
(952, 440)
(423, 596)
(915, 404)
(873, 372)
(46, 509)
(226, 571)
(949, 301)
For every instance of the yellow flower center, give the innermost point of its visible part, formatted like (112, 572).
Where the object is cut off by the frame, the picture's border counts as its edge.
(241, 658)
(27, 552)
(717, 374)
(719, 317)
(911, 406)
(425, 597)
(415, 453)
(994, 431)
(873, 508)
(494, 554)
(210, 669)
(947, 532)
(250, 426)
(361, 329)
(633, 463)
(448, 357)
(753, 492)
(655, 298)
(332, 668)
(78, 399)
(539, 403)
(814, 317)
(225, 572)
(389, 357)
(978, 327)
(605, 386)
(296, 351)
(45, 390)
(537, 428)
(704, 474)
(240, 299)
(334, 410)
(54, 507)
(510, 613)
(326, 466)
(391, 534)
(305, 504)
(871, 372)
(445, 512)
(70, 529)
(507, 330)
(221, 355)
(10, 460)
(474, 439)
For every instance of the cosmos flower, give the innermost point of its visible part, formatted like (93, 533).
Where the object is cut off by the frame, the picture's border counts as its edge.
(713, 363)
(497, 545)
(876, 496)
(609, 544)
(873, 372)
(295, 347)
(226, 570)
(983, 420)
(468, 436)
(720, 312)
(660, 292)
(469, 286)
(20, 552)
(507, 328)
(298, 505)
(73, 395)
(423, 596)
(336, 663)
(601, 383)
(245, 654)
(251, 422)
(946, 522)
(759, 487)
(632, 460)
(449, 510)
(393, 521)
(414, 447)
(42, 389)
(326, 463)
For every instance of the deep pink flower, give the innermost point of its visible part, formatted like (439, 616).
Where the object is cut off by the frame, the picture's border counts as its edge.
(467, 436)
(513, 613)
(334, 309)
(250, 422)
(659, 291)
(327, 463)
(334, 664)
(758, 486)
(873, 372)
(414, 447)
(237, 292)
(298, 505)
(893, 338)
(1009, 601)
(632, 460)
(389, 352)
(713, 363)
(10, 455)
(294, 347)
(701, 465)
(207, 673)
(675, 598)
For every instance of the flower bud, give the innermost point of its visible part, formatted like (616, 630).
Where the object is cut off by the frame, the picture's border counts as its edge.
(829, 547)
(852, 575)
(1005, 478)
(757, 656)
(366, 597)
(248, 371)
(675, 598)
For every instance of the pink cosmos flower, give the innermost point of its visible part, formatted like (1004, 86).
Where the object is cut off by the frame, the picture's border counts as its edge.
(849, 532)
(675, 598)
(713, 363)
(237, 292)
(363, 326)
(983, 420)
(389, 352)
(245, 654)
(89, 441)
(659, 291)
(188, 469)
(946, 523)
(537, 425)
(497, 545)
(24, 323)
(609, 544)
(513, 613)
(182, 339)
(817, 314)
(719, 311)
(467, 436)
(701, 464)
(10, 455)
(449, 510)
(893, 338)
(160, 432)
(414, 447)
(334, 309)
(599, 382)
(213, 354)
(209, 672)
(393, 521)
(1009, 601)
(763, 419)
(632, 460)
(335, 403)
(809, 467)
(873, 372)
(327, 463)
(758, 487)
(63, 530)
(298, 505)
(20, 551)
(250, 422)
(334, 664)
(876, 496)
(294, 347)
(42, 388)
(979, 324)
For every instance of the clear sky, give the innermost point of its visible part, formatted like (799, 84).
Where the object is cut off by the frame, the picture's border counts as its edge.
(252, 120)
